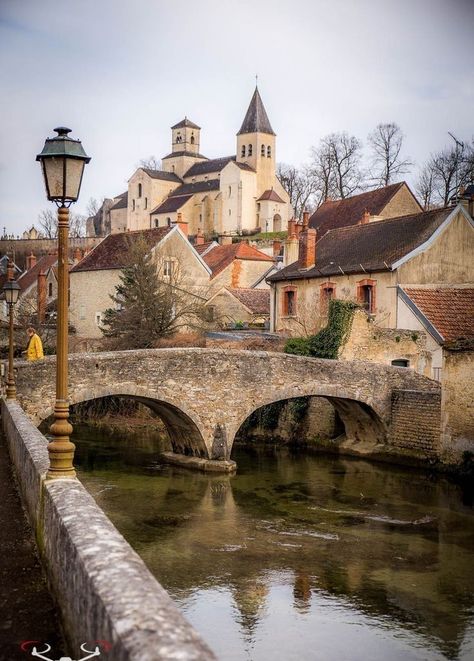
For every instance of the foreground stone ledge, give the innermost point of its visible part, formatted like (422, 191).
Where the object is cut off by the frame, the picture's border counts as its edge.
(197, 463)
(103, 588)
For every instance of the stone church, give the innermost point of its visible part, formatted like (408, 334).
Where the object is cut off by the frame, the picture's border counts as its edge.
(238, 194)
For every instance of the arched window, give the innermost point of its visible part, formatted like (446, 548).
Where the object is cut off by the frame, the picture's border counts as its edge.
(168, 222)
(269, 151)
(50, 289)
(192, 139)
(146, 203)
(139, 190)
(179, 138)
(262, 150)
(242, 153)
(133, 205)
(157, 222)
(230, 191)
(250, 150)
(366, 294)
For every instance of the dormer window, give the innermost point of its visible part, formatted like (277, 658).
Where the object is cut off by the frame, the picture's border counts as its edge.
(242, 153)
(250, 150)
(139, 190)
(269, 151)
(262, 150)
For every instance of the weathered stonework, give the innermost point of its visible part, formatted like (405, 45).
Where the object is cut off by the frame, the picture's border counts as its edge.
(103, 588)
(458, 403)
(204, 395)
(416, 421)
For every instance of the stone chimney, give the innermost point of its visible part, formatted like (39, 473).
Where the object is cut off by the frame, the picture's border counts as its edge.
(41, 294)
(290, 252)
(297, 229)
(182, 224)
(305, 220)
(276, 247)
(365, 218)
(30, 261)
(225, 240)
(307, 249)
(199, 238)
(291, 227)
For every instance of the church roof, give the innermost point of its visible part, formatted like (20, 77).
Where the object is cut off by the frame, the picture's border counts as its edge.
(122, 201)
(172, 204)
(256, 120)
(174, 154)
(185, 123)
(270, 194)
(196, 187)
(212, 165)
(161, 174)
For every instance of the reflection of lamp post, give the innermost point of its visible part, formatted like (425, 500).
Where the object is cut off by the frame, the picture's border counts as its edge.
(62, 161)
(11, 289)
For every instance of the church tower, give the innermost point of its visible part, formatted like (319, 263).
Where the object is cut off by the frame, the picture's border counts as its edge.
(256, 143)
(185, 141)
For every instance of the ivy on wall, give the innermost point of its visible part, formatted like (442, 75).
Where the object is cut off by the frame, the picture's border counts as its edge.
(329, 340)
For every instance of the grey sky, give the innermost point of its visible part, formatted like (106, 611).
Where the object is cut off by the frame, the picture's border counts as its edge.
(119, 73)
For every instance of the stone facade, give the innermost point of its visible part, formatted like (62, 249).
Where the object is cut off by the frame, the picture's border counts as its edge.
(416, 422)
(458, 402)
(204, 395)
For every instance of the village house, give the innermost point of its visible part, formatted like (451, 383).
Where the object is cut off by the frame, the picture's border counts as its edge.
(370, 263)
(93, 279)
(227, 195)
(236, 265)
(240, 308)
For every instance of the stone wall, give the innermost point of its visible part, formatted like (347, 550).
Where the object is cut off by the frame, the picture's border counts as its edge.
(457, 402)
(416, 422)
(367, 341)
(103, 588)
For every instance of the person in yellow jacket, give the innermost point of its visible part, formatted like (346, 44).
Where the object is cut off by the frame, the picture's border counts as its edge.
(35, 346)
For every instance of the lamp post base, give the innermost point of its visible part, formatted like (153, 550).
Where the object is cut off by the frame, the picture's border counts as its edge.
(60, 448)
(10, 390)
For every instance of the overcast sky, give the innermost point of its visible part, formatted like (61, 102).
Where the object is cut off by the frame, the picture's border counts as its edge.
(119, 73)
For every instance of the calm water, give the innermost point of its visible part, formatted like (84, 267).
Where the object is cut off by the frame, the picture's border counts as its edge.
(297, 557)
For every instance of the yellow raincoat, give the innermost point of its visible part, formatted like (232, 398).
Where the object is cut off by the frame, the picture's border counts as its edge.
(35, 348)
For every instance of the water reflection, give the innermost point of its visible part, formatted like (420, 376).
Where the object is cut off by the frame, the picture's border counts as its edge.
(298, 557)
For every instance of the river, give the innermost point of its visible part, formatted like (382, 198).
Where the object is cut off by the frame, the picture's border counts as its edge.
(298, 556)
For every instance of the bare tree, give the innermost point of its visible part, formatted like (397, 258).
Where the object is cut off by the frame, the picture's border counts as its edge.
(77, 224)
(48, 222)
(336, 166)
(444, 173)
(151, 163)
(386, 161)
(93, 206)
(301, 186)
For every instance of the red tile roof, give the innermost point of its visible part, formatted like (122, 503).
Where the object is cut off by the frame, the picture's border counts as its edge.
(270, 194)
(256, 300)
(202, 247)
(112, 252)
(449, 309)
(221, 256)
(30, 277)
(343, 213)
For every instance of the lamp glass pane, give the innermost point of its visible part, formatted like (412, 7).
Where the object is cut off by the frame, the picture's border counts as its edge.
(74, 168)
(11, 293)
(54, 173)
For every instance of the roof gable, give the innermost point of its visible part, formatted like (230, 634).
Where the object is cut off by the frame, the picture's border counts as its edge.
(30, 277)
(185, 123)
(210, 165)
(221, 256)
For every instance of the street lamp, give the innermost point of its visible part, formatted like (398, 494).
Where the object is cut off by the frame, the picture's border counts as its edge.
(62, 161)
(11, 289)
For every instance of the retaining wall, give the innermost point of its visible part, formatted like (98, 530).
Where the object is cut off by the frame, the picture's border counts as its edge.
(103, 588)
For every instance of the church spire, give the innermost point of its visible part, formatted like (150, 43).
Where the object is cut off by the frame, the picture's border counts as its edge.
(256, 119)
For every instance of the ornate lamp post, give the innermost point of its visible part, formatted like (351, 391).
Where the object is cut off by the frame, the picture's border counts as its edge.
(62, 161)
(11, 289)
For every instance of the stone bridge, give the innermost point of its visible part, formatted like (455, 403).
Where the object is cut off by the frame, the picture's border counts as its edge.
(204, 395)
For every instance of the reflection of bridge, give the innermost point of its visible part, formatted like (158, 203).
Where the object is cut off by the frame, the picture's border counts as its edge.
(204, 395)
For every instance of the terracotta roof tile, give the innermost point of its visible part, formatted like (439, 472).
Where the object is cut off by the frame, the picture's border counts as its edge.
(221, 256)
(29, 277)
(342, 213)
(202, 247)
(112, 252)
(449, 309)
(371, 247)
(256, 300)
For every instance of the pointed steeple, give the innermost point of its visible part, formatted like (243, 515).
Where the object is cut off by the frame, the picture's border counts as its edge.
(256, 119)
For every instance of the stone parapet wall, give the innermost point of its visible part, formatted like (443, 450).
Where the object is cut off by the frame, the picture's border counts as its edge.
(416, 421)
(103, 588)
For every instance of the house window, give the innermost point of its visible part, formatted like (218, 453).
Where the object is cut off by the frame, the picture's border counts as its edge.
(157, 224)
(262, 150)
(168, 268)
(400, 362)
(242, 153)
(98, 318)
(269, 151)
(437, 373)
(139, 190)
(327, 293)
(82, 312)
(250, 150)
(50, 289)
(168, 222)
(146, 203)
(289, 302)
(366, 294)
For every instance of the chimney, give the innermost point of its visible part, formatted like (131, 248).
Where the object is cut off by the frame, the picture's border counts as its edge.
(307, 249)
(10, 271)
(182, 224)
(291, 227)
(41, 293)
(225, 240)
(77, 255)
(305, 220)
(199, 238)
(365, 218)
(30, 261)
(276, 247)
